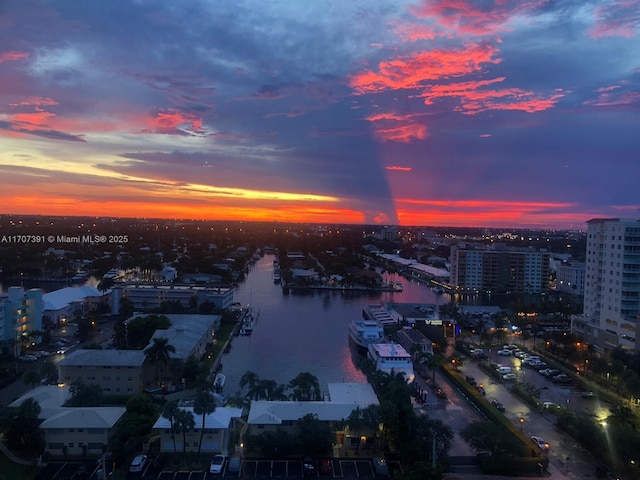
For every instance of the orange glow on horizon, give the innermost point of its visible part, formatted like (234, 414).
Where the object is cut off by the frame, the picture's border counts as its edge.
(262, 212)
(438, 212)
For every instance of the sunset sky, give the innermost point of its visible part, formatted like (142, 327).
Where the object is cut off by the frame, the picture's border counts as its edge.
(497, 113)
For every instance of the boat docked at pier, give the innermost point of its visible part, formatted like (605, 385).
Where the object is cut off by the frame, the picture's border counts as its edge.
(219, 381)
(363, 333)
(249, 319)
(380, 314)
(392, 358)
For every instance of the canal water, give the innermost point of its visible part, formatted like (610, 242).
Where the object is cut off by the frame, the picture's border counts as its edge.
(303, 331)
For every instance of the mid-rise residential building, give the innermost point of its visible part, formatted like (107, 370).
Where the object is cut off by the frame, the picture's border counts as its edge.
(20, 313)
(611, 311)
(151, 296)
(499, 270)
(570, 278)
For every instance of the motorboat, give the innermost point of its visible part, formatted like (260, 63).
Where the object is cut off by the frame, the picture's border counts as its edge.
(392, 358)
(218, 382)
(362, 333)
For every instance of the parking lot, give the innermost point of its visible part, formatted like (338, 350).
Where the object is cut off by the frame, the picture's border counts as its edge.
(67, 471)
(253, 468)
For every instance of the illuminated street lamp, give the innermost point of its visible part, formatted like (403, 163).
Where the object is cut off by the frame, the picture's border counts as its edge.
(521, 423)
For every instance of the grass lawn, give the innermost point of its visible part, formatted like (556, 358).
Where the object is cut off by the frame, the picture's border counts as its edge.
(13, 471)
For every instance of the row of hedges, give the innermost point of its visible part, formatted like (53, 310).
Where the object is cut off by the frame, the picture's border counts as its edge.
(530, 462)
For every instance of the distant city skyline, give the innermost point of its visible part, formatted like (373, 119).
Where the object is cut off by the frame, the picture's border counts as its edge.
(500, 114)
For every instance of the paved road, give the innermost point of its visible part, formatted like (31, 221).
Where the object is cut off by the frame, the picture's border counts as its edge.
(580, 464)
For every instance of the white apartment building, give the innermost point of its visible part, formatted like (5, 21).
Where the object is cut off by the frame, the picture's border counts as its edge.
(612, 285)
(20, 312)
(498, 269)
(570, 278)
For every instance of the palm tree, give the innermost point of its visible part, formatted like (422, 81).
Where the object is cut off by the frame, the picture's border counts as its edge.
(184, 422)
(305, 387)
(169, 412)
(249, 379)
(432, 363)
(204, 404)
(354, 421)
(159, 352)
(29, 408)
(32, 378)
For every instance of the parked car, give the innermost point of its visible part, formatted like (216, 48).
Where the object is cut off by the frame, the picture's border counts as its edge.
(138, 463)
(562, 378)
(308, 467)
(325, 466)
(217, 463)
(588, 395)
(509, 376)
(499, 406)
(521, 355)
(539, 441)
(380, 466)
(471, 380)
(505, 352)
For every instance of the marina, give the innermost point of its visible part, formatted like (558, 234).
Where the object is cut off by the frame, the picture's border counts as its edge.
(305, 330)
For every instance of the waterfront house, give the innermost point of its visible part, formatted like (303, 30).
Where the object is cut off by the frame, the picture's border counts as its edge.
(342, 400)
(219, 428)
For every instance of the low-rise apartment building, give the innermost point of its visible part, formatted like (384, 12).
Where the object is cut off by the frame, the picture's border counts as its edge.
(117, 372)
(219, 428)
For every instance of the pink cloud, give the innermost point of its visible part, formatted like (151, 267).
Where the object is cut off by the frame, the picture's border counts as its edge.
(474, 98)
(391, 127)
(413, 70)
(7, 56)
(413, 32)
(616, 18)
(171, 121)
(34, 101)
(614, 99)
(398, 168)
(466, 17)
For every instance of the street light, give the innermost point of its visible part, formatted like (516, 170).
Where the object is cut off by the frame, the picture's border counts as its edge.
(521, 423)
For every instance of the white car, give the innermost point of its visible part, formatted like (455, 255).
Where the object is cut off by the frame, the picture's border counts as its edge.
(138, 463)
(539, 441)
(505, 352)
(509, 376)
(216, 464)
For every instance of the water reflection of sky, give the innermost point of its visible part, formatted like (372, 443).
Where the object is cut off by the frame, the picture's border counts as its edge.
(305, 331)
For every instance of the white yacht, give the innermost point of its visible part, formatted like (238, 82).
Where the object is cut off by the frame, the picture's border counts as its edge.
(362, 333)
(392, 358)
